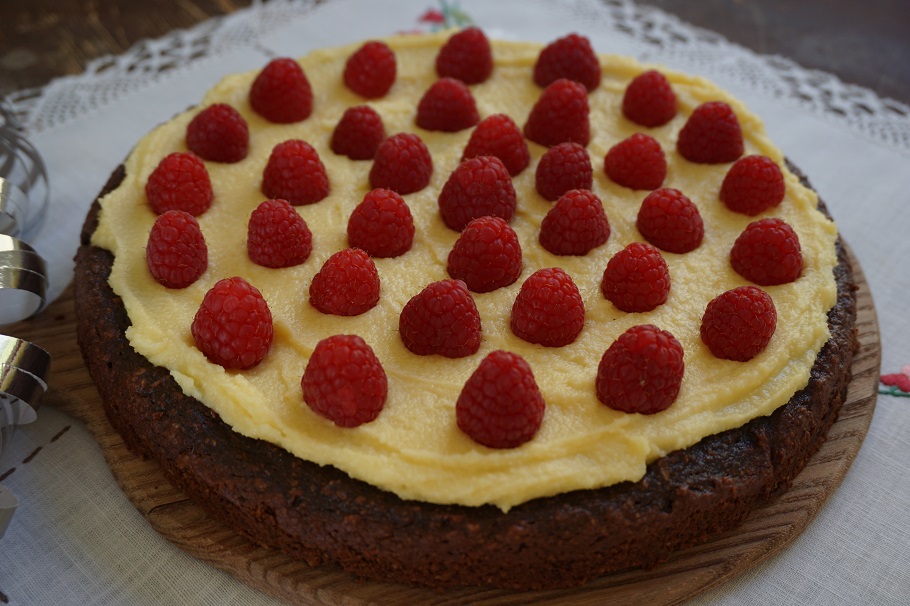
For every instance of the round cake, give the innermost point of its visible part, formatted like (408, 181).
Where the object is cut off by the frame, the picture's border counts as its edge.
(449, 311)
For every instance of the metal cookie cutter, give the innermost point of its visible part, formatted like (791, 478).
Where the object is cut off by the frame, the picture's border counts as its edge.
(23, 206)
(23, 285)
(23, 279)
(24, 195)
(23, 372)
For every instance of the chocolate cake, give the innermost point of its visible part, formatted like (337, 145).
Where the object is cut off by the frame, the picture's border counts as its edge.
(323, 515)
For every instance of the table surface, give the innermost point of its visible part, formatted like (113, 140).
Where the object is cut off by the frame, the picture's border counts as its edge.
(865, 43)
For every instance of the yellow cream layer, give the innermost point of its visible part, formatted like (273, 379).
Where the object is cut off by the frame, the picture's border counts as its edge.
(414, 448)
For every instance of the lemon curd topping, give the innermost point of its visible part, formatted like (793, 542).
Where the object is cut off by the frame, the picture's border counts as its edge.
(414, 448)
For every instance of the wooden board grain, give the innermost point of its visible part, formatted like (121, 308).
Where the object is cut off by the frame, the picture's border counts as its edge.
(768, 528)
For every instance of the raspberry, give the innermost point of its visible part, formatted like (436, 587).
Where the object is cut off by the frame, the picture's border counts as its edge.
(641, 371)
(344, 381)
(447, 106)
(570, 57)
(738, 324)
(500, 405)
(670, 221)
(649, 100)
(176, 253)
(381, 225)
(277, 236)
(370, 71)
(295, 173)
(560, 115)
(752, 185)
(563, 167)
(767, 253)
(347, 284)
(180, 182)
(218, 134)
(402, 164)
(711, 135)
(636, 162)
(636, 278)
(548, 309)
(486, 256)
(466, 56)
(441, 319)
(358, 134)
(233, 326)
(575, 225)
(499, 136)
(281, 92)
(478, 187)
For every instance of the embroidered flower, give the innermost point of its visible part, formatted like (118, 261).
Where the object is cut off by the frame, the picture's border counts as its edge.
(433, 16)
(449, 15)
(898, 383)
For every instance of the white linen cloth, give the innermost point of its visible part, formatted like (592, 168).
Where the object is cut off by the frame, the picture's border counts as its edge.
(76, 539)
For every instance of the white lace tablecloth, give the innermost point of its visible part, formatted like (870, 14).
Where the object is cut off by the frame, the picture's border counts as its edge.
(77, 540)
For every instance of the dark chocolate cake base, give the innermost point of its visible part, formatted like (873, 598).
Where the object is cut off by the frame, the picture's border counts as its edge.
(321, 515)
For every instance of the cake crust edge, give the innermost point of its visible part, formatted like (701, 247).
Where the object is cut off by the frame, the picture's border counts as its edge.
(324, 517)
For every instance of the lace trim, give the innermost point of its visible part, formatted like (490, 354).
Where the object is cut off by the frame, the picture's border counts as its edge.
(711, 54)
(657, 33)
(108, 78)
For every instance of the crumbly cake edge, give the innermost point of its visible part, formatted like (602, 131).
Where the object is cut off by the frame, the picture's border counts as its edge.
(324, 517)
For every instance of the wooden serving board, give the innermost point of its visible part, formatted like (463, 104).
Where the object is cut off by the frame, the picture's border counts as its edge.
(767, 529)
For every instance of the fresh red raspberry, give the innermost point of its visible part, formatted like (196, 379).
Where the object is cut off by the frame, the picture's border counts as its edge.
(711, 135)
(218, 134)
(636, 162)
(277, 236)
(344, 381)
(753, 185)
(478, 187)
(295, 173)
(281, 92)
(466, 56)
(499, 136)
(381, 225)
(548, 310)
(641, 371)
(180, 182)
(441, 319)
(402, 164)
(636, 278)
(486, 256)
(176, 253)
(233, 326)
(560, 115)
(447, 106)
(767, 253)
(670, 221)
(575, 225)
(347, 284)
(500, 405)
(563, 167)
(649, 100)
(358, 134)
(370, 71)
(570, 57)
(738, 324)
